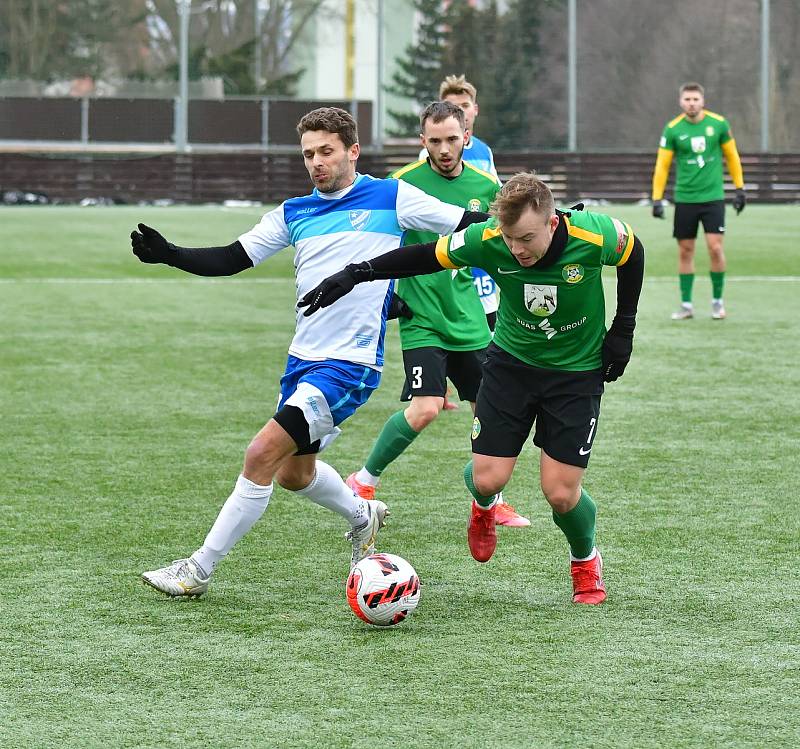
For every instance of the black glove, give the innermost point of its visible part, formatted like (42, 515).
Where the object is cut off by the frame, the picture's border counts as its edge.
(335, 287)
(739, 201)
(150, 247)
(399, 308)
(617, 348)
(658, 209)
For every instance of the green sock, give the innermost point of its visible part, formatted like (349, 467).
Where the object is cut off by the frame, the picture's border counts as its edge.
(578, 525)
(717, 283)
(686, 281)
(482, 500)
(394, 438)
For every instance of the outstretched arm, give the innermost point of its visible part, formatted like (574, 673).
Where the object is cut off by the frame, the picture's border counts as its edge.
(618, 343)
(151, 247)
(412, 260)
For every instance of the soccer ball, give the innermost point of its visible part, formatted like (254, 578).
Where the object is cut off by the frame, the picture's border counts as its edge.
(383, 589)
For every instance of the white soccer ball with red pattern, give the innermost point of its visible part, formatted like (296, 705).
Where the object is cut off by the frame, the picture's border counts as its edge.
(383, 589)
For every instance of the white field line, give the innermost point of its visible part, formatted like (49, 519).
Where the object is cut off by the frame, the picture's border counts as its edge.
(105, 281)
(195, 280)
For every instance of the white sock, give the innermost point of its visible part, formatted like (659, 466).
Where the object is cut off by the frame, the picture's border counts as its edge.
(247, 503)
(365, 477)
(328, 490)
(585, 559)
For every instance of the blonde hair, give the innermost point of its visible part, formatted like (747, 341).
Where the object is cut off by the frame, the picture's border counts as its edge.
(522, 191)
(457, 84)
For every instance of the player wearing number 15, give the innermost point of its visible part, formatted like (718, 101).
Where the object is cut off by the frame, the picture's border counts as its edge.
(550, 356)
(448, 333)
(698, 139)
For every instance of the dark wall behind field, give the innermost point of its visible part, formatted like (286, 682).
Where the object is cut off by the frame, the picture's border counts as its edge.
(273, 176)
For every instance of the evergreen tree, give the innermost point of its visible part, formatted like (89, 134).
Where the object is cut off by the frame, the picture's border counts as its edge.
(497, 52)
(516, 65)
(420, 69)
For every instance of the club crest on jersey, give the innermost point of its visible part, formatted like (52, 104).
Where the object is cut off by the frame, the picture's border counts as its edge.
(699, 144)
(709, 131)
(573, 273)
(359, 219)
(541, 300)
(474, 205)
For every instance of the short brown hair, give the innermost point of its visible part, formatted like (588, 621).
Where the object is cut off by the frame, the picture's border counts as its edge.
(331, 120)
(457, 84)
(438, 111)
(691, 86)
(523, 190)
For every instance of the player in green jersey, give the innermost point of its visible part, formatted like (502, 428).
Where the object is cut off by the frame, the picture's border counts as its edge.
(448, 334)
(550, 356)
(699, 138)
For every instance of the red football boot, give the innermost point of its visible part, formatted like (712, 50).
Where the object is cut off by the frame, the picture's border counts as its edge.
(587, 581)
(481, 535)
(365, 491)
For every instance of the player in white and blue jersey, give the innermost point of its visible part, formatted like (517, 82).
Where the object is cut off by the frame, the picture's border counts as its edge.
(335, 359)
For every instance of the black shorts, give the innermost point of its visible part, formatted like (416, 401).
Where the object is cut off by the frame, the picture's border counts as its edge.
(428, 368)
(689, 215)
(565, 406)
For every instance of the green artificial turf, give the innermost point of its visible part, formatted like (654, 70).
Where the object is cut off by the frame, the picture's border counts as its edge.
(128, 394)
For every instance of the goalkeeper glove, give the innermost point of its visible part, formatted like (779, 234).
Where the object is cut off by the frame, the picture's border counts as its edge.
(739, 201)
(335, 287)
(658, 209)
(150, 247)
(617, 348)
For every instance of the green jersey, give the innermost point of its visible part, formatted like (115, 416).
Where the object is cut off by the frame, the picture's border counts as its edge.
(551, 317)
(698, 156)
(448, 313)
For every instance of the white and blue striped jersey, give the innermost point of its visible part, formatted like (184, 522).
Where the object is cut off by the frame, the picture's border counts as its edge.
(330, 230)
(480, 155)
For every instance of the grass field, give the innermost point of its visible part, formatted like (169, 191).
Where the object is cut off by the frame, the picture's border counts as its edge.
(128, 394)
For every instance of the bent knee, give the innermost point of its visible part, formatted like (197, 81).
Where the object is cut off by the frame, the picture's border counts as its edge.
(294, 481)
(419, 415)
(561, 498)
(488, 485)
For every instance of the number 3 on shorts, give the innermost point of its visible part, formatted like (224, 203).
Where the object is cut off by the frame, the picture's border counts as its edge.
(416, 373)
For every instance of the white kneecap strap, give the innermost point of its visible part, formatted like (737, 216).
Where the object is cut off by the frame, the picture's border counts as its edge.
(312, 403)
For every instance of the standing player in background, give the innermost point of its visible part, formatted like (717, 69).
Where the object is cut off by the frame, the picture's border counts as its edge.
(334, 364)
(699, 138)
(550, 355)
(448, 334)
(457, 90)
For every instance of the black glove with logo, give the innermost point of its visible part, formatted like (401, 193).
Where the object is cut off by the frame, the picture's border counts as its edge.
(335, 287)
(658, 209)
(739, 201)
(617, 348)
(150, 247)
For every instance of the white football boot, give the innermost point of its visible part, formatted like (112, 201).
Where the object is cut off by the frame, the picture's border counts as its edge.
(182, 579)
(363, 537)
(685, 312)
